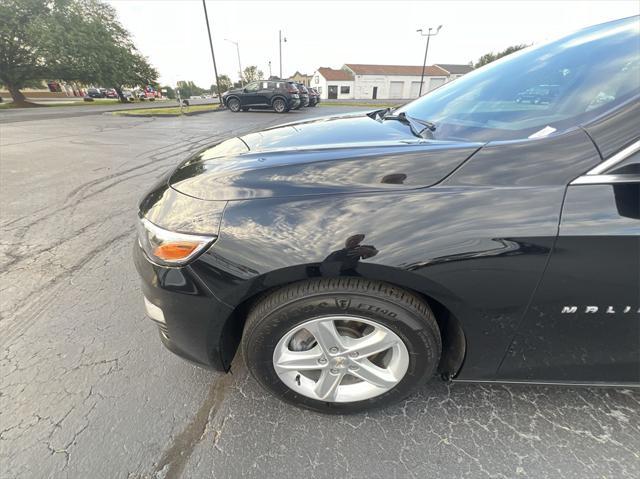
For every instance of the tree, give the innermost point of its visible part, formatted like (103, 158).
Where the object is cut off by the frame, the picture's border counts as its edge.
(21, 63)
(171, 93)
(490, 57)
(68, 40)
(251, 73)
(224, 83)
(188, 88)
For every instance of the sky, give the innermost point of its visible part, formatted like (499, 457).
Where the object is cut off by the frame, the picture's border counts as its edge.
(330, 33)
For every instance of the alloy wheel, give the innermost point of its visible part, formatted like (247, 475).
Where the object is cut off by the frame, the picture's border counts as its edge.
(340, 359)
(234, 105)
(278, 106)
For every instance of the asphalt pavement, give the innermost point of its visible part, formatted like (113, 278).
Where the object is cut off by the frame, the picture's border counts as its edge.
(87, 390)
(48, 112)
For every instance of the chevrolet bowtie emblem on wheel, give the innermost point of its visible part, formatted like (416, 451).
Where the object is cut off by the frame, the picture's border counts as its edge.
(343, 303)
(599, 309)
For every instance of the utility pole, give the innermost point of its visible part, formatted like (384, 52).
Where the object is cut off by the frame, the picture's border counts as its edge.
(424, 63)
(239, 64)
(213, 56)
(269, 68)
(280, 44)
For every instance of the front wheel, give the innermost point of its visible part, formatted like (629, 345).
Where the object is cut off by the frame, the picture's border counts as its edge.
(341, 345)
(234, 105)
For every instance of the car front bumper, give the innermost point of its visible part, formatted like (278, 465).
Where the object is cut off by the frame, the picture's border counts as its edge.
(294, 103)
(188, 315)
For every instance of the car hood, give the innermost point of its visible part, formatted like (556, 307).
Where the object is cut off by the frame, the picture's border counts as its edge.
(351, 153)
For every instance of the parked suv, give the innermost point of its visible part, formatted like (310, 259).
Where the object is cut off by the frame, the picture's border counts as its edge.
(280, 95)
(304, 93)
(538, 94)
(314, 97)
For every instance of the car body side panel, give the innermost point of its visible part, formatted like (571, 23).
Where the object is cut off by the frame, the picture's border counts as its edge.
(555, 160)
(478, 249)
(617, 129)
(436, 241)
(584, 322)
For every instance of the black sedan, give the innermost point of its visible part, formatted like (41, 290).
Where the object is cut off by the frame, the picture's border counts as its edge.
(464, 236)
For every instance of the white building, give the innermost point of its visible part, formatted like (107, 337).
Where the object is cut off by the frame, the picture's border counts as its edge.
(455, 71)
(386, 82)
(394, 82)
(332, 83)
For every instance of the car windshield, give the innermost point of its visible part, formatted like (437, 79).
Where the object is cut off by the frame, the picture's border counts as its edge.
(539, 91)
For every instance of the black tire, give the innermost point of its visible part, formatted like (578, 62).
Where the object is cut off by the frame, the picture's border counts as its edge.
(405, 314)
(233, 104)
(279, 105)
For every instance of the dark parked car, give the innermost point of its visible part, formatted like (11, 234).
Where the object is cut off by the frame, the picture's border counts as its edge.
(462, 236)
(94, 93)
(304, 94)
(128, 95)
(538, 94)
(314, 97)
(280, 96)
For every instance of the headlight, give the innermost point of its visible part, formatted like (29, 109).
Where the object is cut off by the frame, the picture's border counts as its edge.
(168, 248)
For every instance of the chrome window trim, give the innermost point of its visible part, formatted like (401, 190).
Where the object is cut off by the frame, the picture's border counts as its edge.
(615, 159)
(595, 175)
(605, 179)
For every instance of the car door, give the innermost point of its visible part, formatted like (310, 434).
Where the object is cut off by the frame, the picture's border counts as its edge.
(583, 324)
(263, 96)
(250, 94)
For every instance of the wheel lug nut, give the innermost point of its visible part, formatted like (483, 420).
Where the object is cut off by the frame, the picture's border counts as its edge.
(322, 360)
(353, 354)
(334, 371)
(353, 367)
(333, 350)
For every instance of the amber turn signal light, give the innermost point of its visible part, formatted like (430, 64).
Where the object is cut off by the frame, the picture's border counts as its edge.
(168, 247)
(175, 251)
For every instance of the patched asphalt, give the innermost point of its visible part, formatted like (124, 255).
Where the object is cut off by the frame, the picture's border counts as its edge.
(87, 390)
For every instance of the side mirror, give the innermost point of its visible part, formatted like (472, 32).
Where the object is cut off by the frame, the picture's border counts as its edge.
(627, 200)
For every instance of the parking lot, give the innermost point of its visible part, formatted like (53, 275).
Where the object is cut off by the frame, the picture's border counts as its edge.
(87, 390)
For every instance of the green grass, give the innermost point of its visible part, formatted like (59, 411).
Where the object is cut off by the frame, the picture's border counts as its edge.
(169, 111)
(6, 106)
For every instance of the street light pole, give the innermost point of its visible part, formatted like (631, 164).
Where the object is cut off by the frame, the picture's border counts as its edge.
(269, 69)
(239, 64)
(213, 56)
(426, 50)
(280, 45)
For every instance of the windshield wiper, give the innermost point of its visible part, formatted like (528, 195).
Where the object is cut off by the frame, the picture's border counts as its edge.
(378, 114)
(418, 127)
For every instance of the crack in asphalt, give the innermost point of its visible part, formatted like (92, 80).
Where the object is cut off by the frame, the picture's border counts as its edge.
(177, 454)
(21, 326)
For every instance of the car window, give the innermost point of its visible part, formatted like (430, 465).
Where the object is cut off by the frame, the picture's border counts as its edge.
(539, 91)
(251, 87)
